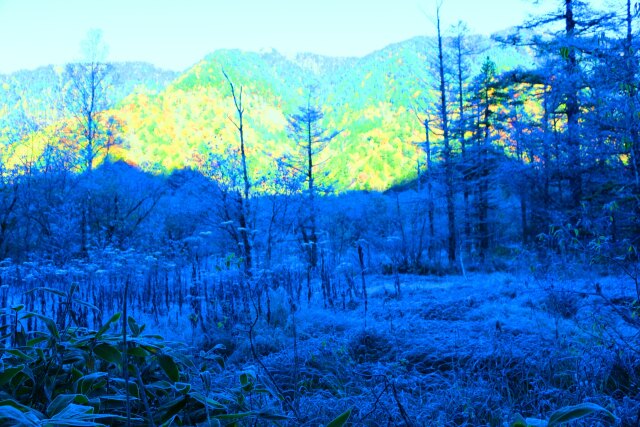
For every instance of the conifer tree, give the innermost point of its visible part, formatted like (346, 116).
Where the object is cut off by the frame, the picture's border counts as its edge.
(306, 128)
(447, 152)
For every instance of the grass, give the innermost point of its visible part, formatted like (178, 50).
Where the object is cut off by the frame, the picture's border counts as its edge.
(451, 351)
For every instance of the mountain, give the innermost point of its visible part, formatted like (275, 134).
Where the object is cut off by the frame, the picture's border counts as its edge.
(45, 83)
(180, 121)
(33, 98)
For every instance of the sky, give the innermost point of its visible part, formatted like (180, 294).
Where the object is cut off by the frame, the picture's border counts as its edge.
(175, 34)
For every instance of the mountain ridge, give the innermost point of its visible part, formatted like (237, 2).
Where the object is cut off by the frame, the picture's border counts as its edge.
(370, 99)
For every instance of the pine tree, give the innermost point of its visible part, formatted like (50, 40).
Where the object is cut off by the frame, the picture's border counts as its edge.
(307, 129)
(447, 152)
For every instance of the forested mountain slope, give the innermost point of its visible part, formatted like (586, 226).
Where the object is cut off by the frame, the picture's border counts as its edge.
(169, 121)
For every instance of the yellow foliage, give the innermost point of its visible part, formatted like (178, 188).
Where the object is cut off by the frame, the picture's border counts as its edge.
(624, 158)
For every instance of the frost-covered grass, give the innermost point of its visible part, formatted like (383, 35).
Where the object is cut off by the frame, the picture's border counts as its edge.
(448, 351)
(455, 351)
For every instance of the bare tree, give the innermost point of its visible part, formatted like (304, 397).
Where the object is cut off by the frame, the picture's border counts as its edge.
(244, 199)
(461, 75)
(446, 152)
(631, 89)
(8, 205)
(87, 98)
(427, 148)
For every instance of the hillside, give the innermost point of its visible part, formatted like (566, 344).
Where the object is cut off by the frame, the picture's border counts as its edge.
(33, 99)
(368, 99)
(177, 121)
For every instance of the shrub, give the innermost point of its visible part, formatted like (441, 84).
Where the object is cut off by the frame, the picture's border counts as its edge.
(76, 375)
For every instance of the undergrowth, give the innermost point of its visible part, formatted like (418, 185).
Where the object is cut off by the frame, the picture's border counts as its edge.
(455, 352)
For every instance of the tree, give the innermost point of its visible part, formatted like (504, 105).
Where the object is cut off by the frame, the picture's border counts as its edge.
(631, 68)
(461, 72)
(567, 78)
(631, 127)
(127, 198)
(306, 128)
(8, 205)
(609, 119)
(426, 147)
(488, 96)
(243, 199)
(94, 135)
(447, 151)
(521, 142)
(87, 98)
(572, 106)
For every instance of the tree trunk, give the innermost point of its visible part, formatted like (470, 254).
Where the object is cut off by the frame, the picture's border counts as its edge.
(448, 166)
(572, 112)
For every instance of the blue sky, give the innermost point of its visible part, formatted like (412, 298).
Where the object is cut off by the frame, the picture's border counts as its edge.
(176, 34)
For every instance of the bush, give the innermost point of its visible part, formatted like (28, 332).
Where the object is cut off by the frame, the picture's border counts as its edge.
(63, 377)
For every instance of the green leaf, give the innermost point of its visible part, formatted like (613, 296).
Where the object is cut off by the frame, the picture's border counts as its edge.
(120, 384)
(535, 422)
(19, 406)
(169, 367)
(246, 385)
(341, 419)
(50, 290)
(236, 416)
(138, 352)
(17, 417)
(119, 398)
(73, 410)
(48, 322)
(206, 401)
(63, 400)
(169, 409)
(76, 374)
(151, 348)
(108, 352)
(169, 422)
(35, 341)
(184, 360)
(160, 387)
(183, 388)
(518, 422)
(135, 329)
(77, 416)
(107, 325)
(90, 382)
(247, 380)
(8, 374)
(273, 417)
(571, 413)
(28, 373)
(20, 355)
(86, 304)
(74, 422)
